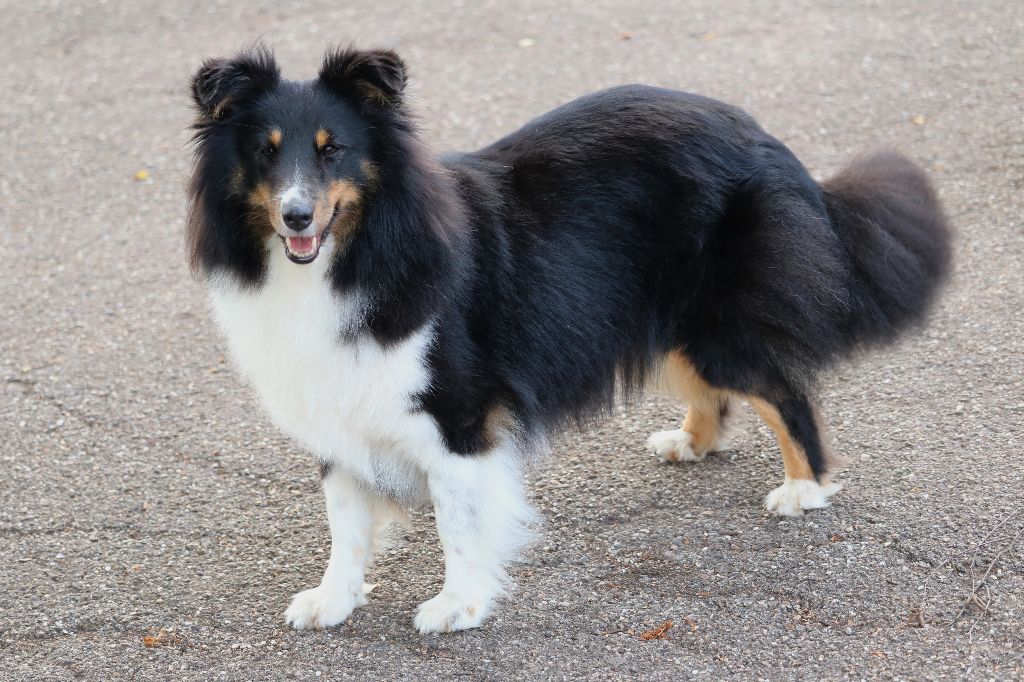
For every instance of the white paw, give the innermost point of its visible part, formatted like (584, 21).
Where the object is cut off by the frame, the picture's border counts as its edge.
(324, 607)
(448, 612)
(673, 446)
(793, 497)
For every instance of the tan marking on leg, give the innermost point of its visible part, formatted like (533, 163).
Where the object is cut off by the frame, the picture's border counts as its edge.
(794, 459)
(705, 402)
(322, 137)
(703, 428)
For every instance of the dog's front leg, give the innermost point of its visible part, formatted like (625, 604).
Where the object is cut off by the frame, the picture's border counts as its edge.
(483, 520)
(350, 512)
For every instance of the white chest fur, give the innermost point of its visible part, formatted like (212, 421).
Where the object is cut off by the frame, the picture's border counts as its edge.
(346, 399)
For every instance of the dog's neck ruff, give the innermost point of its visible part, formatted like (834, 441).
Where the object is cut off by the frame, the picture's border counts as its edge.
(336, 391)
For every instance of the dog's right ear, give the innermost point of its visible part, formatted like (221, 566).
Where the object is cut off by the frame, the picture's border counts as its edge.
(221, 83)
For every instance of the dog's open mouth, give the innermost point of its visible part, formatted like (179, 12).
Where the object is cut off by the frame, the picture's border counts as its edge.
(304, 249)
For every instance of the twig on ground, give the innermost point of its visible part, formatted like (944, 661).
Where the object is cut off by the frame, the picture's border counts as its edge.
(918, 615)
(976, 585)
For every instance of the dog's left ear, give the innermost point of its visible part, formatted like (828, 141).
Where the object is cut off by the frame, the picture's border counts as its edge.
(375, 76)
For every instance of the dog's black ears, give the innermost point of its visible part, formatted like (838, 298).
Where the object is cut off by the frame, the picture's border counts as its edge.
(373, 76)
(221, 84)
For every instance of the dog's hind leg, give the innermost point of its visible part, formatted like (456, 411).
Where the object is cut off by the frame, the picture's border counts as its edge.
(805, 455)
(703, 429)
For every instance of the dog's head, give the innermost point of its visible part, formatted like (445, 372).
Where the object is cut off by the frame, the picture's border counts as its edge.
(298, 157)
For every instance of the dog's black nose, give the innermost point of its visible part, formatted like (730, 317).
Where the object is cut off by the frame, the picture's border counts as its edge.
(298, 217)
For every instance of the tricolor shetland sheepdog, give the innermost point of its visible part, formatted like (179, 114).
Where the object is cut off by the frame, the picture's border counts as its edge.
(422, 325)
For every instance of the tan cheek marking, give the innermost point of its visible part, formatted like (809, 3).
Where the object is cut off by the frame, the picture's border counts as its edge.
(259, 197)
(275, 137)
(343, 192)
(260, 201)
(322, 137)
(345, 195)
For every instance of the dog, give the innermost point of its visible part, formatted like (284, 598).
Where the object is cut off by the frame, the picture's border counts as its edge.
(421, 325)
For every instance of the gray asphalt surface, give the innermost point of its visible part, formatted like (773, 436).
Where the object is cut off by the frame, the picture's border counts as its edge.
(142, 491)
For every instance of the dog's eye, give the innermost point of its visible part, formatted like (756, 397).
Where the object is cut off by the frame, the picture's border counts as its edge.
(268, 152)
(331, 149)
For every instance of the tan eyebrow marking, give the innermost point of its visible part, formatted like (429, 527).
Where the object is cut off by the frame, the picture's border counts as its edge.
(275, 137)
(322, 138)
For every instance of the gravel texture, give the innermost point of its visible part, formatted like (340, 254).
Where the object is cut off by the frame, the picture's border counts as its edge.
(142, 493)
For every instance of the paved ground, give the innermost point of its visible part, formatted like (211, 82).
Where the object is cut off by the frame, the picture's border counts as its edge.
(141, 490)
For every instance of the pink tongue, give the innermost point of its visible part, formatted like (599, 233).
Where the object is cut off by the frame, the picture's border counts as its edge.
(301, 244)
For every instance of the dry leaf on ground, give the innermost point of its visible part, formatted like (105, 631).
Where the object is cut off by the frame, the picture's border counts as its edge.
(658, 632)
(161, 638)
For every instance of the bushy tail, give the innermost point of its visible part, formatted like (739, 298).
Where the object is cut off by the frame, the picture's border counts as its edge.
(889, 220)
